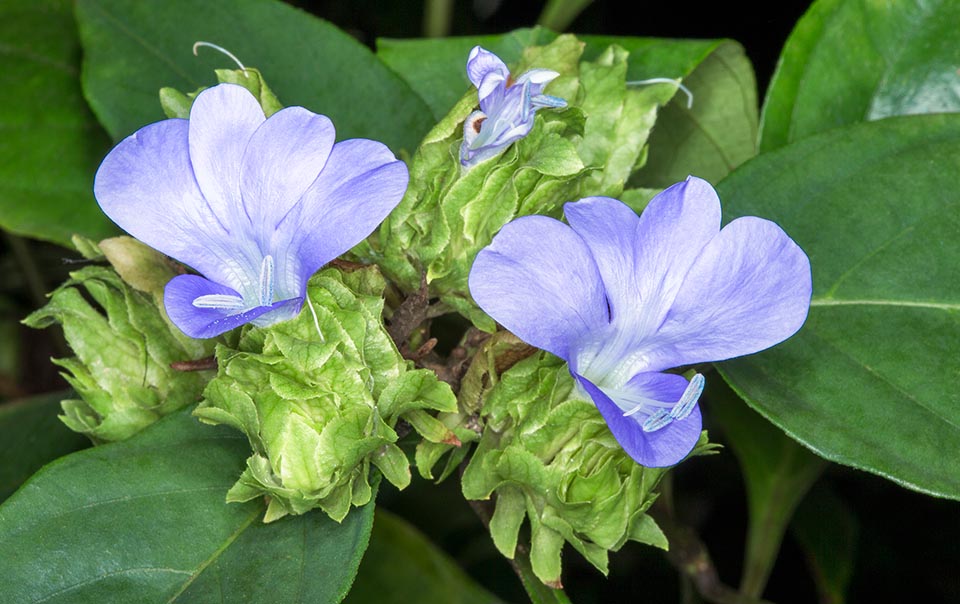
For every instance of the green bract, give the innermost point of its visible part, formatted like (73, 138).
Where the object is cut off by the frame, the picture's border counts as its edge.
(178, 104)
(590, 148)
(547, 455)
(123, 342)
(319, 398)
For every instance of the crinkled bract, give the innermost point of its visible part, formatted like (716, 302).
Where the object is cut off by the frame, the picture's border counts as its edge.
(256, 205)
(549, 459)
(124, 346)
(319, 397)
(590, 148)
(623, 298)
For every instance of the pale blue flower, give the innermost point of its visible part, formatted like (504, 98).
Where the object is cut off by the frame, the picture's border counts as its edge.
(507, 107)
(623, 298)
(254, 205)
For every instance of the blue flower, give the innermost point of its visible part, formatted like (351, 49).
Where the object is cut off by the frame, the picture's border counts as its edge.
(623, 298)
(254, 205)
(507, 107)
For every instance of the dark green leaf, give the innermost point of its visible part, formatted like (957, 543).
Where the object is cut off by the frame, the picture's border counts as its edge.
(870, 380)
(778, 473)
(827, 530)
(31, 436)
(415, 570)
(145, 521)
(132, 49)
(855, 60)
(50, 143)
(716, 134)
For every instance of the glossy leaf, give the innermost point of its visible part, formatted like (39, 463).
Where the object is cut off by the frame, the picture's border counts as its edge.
(145, 521)
(778, 473)
(51, 143)
(141, 47)
(31, 436)
(856, 60)
(415, 570)
(870, 380)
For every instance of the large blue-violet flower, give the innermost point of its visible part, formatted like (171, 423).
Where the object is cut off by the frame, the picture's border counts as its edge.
(507, 106)
(623, 297)
(254, 205)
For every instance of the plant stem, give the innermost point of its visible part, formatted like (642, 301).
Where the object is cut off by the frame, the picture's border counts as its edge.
(536, 590)
(689, 555)
(437, 15)
(559, 14)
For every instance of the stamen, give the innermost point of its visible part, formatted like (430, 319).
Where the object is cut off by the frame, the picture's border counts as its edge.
(219, 301)
(197, 45)
(656, 421)
(685, 90)
(316, 321)
(690, 397)
(266, 280)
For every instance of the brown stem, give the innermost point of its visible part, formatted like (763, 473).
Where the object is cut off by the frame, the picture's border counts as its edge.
(197, 365)
(689, 555)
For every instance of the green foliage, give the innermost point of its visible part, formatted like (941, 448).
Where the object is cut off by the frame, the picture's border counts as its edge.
(124, 345)
(449, 214)
(550, 459)
(144, 521)
(827, 530)
(148, 45)
(870, 380)
(51, 143)
(319, 397)
(31, 436)
(716, 134)
(415, 570)
(853, 60)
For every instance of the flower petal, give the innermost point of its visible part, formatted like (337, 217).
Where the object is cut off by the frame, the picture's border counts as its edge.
(360, 184)
(181, 291)
(222, 120)
(146, 185)
(749, 289)
(481, 63)
(661, 448)
(285, 155)
(538, 280)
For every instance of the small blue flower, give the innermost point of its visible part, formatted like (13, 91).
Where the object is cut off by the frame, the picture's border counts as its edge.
(254, 205)
(623, 298)
(507, 107)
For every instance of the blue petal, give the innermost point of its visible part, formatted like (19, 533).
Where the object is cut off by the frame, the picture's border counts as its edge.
(147, 186)
(181, 291)
(538, 280)
(482, 63)
(661, 448)
(222, 120)
(284, 157)
(748, 290)
(359, 186)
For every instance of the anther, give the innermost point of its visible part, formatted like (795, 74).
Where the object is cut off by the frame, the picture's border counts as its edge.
(197, 45)
(656, 421)
(219, 301)
(690, 397)
(683, 88)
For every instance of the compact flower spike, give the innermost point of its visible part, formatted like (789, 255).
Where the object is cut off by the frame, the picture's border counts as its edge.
(255, 205)
(507, 107)
(623, 298)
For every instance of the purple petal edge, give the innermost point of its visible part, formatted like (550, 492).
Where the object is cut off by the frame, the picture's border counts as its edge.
(665, 447)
